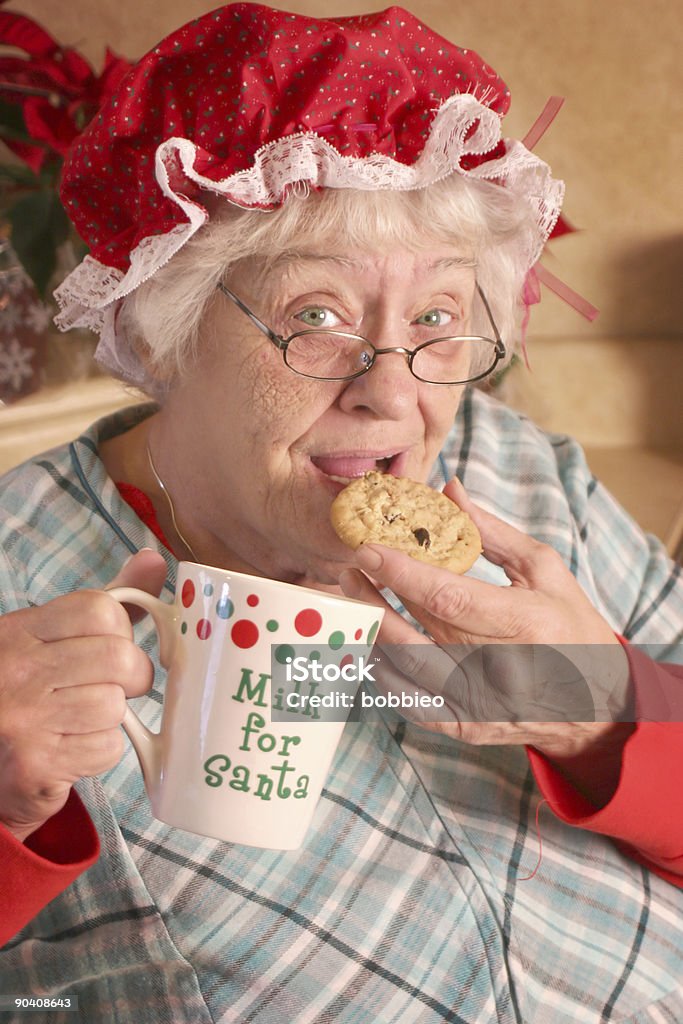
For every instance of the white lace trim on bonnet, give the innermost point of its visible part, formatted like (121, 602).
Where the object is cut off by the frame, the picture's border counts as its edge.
(90, 295)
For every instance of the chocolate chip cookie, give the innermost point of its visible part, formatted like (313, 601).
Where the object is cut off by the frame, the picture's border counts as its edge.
(408, 516)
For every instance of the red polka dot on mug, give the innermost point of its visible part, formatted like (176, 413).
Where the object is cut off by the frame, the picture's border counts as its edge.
(308, 622)
(244, 634)
(203, 629)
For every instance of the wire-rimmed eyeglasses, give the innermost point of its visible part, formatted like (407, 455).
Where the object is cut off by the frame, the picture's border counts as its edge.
(337, 355)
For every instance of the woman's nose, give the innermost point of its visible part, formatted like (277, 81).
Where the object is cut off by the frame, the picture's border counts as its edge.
(388, 390)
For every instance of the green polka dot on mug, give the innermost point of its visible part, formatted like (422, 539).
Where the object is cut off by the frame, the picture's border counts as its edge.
(336, 640)
(283, 653)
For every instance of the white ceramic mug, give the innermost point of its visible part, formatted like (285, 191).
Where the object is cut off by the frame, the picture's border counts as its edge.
(220, 766)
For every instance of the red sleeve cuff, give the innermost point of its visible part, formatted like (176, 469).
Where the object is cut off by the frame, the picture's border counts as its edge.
(48, 862)
(645, 813)
(646, 809)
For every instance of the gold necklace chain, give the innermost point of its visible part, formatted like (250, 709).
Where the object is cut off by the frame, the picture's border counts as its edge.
(164, 490)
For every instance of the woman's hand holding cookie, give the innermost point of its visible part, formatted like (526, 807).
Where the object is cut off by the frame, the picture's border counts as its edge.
(499, 700)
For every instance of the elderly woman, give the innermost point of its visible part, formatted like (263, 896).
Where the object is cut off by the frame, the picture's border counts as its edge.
(290, 220)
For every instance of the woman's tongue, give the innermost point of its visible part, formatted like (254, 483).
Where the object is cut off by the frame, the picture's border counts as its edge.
(348, 467)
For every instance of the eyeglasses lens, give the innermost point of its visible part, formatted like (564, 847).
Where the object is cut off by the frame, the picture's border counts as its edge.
(328, 356)
(332, 356)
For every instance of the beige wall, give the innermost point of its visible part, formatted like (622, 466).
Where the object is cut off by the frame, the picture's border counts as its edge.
(617, 141)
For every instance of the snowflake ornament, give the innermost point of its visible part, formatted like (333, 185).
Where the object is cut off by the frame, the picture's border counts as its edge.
(15, 364)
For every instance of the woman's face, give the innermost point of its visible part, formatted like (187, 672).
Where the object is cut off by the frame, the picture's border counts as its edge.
(264, 451)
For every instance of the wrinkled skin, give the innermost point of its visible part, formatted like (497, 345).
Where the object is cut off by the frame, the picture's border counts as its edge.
(240, 440)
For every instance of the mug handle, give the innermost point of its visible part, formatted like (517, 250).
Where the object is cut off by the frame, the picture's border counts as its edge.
(147, 744)
(164, 616)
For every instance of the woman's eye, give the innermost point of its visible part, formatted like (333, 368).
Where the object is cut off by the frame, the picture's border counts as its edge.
(316, 316)
(435, 318)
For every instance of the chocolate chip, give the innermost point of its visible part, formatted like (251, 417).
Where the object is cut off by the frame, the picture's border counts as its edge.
(422, 537)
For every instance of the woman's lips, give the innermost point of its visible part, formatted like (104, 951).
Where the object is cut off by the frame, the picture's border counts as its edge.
(343, 468)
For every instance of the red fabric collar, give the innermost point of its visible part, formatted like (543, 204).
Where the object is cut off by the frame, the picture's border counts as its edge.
(144, 510)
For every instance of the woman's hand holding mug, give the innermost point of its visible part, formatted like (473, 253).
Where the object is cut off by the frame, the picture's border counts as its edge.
(67, 669)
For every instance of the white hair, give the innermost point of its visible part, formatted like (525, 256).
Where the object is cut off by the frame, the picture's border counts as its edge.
(162, 319)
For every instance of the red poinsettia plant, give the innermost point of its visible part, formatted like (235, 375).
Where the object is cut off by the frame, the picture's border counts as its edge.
(48, 94)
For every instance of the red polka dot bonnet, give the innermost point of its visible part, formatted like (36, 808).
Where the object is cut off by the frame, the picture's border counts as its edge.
(249, 103)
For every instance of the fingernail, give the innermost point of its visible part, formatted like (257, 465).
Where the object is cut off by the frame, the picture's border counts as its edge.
(131, 557)
(349, 583)
(369, 557)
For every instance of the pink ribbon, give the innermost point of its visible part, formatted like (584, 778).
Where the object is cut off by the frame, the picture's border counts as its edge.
(543, 121)
(567, 294)
(538, 273)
